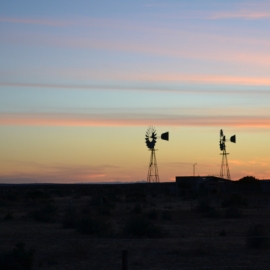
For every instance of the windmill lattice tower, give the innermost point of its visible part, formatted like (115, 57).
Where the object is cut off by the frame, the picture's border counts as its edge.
(150, 140)
(224, 169)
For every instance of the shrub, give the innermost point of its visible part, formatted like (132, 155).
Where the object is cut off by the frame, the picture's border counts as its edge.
(108, 203)
(3, 202)
(153, 214)
(137, 209)
(257, 237)
(105, 211)
(212, 213)
(200, 249)
(70, 219)
(248, 180)
(97, 226)
(203, 205)
(115, 195)
(142, 227)
(8, 216)
(249, 183)
(90, 206)
(196, 250)
(17, 259)
(45, 213)
(166, 215)
(233, 212)
(223, 233)
(135, 197)
(98, 204)
(235, 200)
(37, 195)
(13, 196)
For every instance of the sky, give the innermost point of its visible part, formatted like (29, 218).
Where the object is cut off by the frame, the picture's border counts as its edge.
(81, 81)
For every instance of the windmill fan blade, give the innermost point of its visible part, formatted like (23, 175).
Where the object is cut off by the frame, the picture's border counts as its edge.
(165, 136)
(233, 139)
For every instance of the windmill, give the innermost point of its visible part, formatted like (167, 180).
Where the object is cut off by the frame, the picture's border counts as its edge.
(224, 170)
(150, 140)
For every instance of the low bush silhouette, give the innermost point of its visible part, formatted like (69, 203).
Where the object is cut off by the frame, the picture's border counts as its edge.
(36, 195)
(233, 212)
(137, 209)
(166, 215)
(17, 259)
(257, 237)
(141, 226)
(105, 211)
(212, 212)
(152, 214)
(70, 218)
(136, 197)
(45, 213)
(203, 205)
(3, 202)
(197, 250)
(249, 179)
(222, 233)
(94, 226)
(235, 200)
(99, 204)
(8, 216)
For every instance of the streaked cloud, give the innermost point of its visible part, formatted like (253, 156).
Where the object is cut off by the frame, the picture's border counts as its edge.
(52, 173)
(39, 21)
(189, 164)
(125, 119)
(243, 14)
(235, 10)
(150, 82)
(212, 79)
(213, 47)
(52, 22)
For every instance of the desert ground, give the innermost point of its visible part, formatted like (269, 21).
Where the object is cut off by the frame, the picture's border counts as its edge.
(88, 226)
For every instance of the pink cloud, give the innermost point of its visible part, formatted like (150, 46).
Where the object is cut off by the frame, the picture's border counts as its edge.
(31, 172)
(243, 14)
(211, 79)
(111, 119)
(79, 21)
(47, 22)
(221, 50)
(186, 51)
(49, 178)
(152, 78)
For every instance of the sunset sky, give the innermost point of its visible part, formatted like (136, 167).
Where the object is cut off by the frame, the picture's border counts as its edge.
(81, 81)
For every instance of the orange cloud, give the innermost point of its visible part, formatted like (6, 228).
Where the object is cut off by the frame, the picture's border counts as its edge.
(211, 79)
(145, 79)
(30, 172)
(130, 120)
